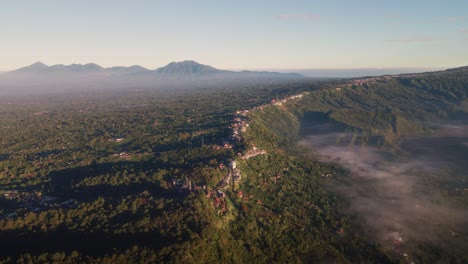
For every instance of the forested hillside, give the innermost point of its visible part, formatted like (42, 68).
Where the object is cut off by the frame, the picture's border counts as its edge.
(394, 106)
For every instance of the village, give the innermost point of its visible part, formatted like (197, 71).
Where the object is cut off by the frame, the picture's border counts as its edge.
(234, 175)
(274, 102)
(365, 82)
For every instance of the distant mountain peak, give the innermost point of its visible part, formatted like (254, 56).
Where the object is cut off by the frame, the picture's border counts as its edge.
(93, 66)
(35, 67)
(38, 64)
(137, 67)
(193, 64)
(89, 65)
(186, 68)
(185, 62)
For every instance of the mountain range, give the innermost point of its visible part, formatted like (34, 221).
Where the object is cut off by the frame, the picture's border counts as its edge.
(40, 78)
(181, 69)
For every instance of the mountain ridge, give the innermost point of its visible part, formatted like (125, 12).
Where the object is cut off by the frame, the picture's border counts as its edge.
(40, 67)
(39, 78)
(186, 68)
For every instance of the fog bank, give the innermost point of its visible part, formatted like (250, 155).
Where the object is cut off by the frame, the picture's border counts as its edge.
(397, 199)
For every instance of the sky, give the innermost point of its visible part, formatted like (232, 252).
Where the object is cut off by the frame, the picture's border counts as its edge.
(236, 34)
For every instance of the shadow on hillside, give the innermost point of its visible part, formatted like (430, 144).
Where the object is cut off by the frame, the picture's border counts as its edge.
(14, 244)
(21, 241)
(61, 182)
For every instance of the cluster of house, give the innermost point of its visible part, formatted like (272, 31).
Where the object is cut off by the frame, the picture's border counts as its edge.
(219, 201)
(25, 198)
(326, 175)
(363, 82)
(292, 97)
(186, 185)
(32, 201)
(218, 195)
(117, 140)
(246, 198)
(240, 125)
(225, 145)
(410, 75)
(123, 155)
(219, 198)
(127, 156)
(253, 152)
(237, 126)
(233, 175)
(274, 102)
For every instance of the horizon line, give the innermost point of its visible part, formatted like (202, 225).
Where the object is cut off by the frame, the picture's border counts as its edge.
(259, 69)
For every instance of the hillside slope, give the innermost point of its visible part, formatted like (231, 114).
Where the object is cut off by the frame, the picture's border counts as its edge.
(394, 106)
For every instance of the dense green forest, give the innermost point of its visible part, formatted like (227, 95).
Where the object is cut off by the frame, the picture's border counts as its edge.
(197, 176)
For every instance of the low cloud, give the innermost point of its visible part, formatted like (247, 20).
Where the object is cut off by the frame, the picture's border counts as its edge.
(388, 195)
(305, 16)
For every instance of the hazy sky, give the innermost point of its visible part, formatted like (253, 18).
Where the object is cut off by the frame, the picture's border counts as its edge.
(237, 34)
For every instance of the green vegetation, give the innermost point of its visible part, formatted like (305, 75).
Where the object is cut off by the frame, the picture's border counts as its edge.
(393, 107)
(128, 173)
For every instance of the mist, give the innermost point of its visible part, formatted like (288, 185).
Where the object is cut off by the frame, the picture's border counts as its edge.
(399, 198)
